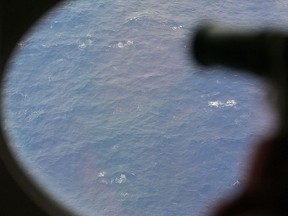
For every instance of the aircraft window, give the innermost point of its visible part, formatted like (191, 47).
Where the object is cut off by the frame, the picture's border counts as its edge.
(104, 109)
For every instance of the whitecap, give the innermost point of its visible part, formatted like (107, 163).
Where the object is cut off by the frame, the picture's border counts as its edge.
(231, 103)
(218, 103)
(120, 179)
(120, 45)
(177, 27)
(101, 174)
(133, 22)
(215, 103)
(82, 46)
(236, 183)
(124, 44)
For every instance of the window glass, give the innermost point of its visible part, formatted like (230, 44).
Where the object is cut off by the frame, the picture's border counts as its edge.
(104, 109)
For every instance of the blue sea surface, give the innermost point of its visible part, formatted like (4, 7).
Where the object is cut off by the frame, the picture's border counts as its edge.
(104, 108)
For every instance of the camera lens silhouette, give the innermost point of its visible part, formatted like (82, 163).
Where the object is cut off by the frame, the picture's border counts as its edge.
(260, 52)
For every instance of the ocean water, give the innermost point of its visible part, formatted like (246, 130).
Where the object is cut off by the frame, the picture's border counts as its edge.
(105, 109)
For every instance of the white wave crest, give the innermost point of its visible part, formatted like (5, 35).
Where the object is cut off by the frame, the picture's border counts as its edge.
(228, 103)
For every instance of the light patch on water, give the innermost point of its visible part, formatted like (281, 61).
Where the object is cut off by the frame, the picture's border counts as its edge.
(236, 183)
(85, 43)
(228, 103)
(124, 194)
(101, 174)
(115, 147)
(124, 44)
(177, 27)
(34, 115)
(120, 179)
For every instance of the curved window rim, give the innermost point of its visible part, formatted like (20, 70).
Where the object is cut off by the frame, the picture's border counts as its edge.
(17, 18)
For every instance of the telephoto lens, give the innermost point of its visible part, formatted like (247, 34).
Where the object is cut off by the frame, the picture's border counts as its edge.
(259, 52)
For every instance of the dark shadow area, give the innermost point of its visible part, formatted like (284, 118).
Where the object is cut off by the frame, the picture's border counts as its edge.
(17, 17)
(262, 53)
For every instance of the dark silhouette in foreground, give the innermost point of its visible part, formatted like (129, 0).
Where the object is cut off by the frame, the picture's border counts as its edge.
(263, 53)
(265, 192)
(18, 195)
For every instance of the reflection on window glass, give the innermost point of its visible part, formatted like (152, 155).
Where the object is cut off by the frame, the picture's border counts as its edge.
(105, 111)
